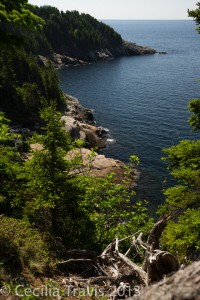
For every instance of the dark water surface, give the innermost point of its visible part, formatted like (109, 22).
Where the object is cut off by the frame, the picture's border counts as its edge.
(143, 100)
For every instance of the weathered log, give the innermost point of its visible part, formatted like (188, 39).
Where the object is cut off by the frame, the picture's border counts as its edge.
(184, 284)
(158, 263)
(112, 252)
(153, 241)
(114, 267)
(135, 243)
(161, 263)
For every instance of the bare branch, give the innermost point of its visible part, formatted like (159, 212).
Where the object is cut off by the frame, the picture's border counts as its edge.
(74, 260)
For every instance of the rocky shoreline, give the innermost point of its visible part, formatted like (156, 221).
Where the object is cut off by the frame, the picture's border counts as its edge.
(76, 59)
(80, 124)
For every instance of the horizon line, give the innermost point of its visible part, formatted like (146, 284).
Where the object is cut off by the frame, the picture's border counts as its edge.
(186, 19)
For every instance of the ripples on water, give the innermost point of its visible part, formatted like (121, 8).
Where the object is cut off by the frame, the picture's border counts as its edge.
(143, 100)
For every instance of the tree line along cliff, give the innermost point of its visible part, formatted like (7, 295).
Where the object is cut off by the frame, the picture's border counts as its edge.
(73, 33)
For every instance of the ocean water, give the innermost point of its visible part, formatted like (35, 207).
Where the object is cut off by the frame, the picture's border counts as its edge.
(143, 100)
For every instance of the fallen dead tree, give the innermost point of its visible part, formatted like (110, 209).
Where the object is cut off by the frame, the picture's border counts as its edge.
(115, 272)
(184, 284)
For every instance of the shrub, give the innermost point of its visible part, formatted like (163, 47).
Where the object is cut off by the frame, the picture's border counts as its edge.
(22, 248)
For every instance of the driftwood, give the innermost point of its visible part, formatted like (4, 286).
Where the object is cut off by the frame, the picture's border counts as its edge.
(115, 272)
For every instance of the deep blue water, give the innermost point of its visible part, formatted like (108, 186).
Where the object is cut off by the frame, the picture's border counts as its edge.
(143, 100)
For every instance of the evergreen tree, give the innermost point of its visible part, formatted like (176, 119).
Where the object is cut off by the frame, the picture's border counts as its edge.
(46, 172)
(182, 235)
(71, 32)
(10, 164)
(16, 13)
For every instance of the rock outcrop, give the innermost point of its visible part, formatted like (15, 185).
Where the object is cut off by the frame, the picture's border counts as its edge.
(131, 49)
(78, 112)
(80, 123)
(94, 164)
(125, 49)
(98, 165)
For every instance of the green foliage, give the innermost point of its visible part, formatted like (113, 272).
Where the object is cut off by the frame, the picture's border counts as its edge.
(113, 210)
(9, 167)
(10, 162)
(5, 134)
(50, 201)
(195, 14)
(47, 196)
(71, 33)
(45, 207)
(81, 211)
(17, 13)
(45, 174)
(16, 18)
(134, 159)
(182, 235)
(22, 85)
(21, 247)
(184, 160)
(194, 107)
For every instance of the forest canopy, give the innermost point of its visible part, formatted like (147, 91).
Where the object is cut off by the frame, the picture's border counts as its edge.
(71, 31)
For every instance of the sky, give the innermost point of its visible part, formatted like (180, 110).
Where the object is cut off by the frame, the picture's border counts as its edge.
(126, 9)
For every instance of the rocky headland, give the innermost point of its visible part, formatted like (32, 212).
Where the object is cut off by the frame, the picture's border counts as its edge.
(80, 58)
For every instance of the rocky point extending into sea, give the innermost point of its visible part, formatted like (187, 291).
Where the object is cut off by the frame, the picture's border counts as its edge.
(79, 58)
